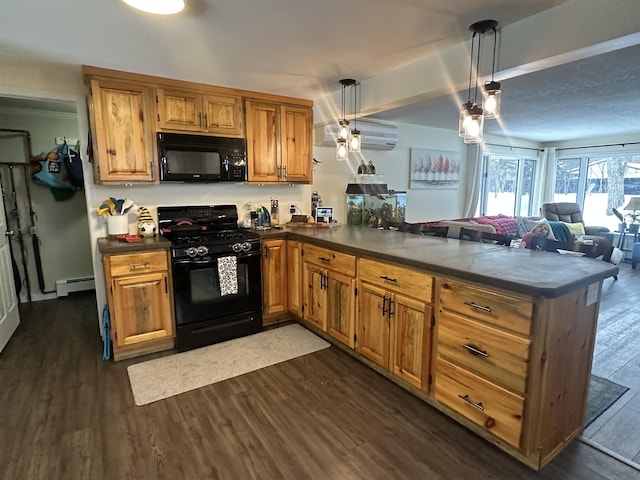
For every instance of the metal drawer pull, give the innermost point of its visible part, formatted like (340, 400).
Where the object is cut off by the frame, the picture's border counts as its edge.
(478, 307)
(324, 259)
(135, 266)
(384, 277)
(466, 398)
(475, 350)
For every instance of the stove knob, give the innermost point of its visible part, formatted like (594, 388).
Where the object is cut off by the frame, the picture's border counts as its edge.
(202, 250)
(246, 246)
(192, 251)
(236, 247)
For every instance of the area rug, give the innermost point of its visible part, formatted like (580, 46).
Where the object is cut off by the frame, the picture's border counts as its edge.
(174, 374)
(602, 394)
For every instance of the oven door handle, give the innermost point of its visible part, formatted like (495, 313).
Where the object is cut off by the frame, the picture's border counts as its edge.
(210, 259)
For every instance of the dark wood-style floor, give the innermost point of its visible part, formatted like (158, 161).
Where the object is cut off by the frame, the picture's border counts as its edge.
(617, 357)
(67, 414)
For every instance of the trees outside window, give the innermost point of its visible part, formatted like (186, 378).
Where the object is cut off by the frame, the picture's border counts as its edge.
(508, 185)
(598, 184)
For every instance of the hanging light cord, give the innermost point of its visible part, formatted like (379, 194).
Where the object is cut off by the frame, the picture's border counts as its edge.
(355, 106)
(471, 67)
(493, 65)
(475, 97)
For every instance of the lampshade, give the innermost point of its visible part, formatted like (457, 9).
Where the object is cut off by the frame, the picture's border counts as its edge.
(491, 104)
(474, 125)
(160, 7)
(355, 140)
(343, 129)
(634, 204)
(341, 150)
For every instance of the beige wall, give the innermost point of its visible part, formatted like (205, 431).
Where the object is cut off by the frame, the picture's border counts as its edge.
(62, 227)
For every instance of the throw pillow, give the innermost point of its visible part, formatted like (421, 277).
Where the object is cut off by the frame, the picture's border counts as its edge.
(576, 228)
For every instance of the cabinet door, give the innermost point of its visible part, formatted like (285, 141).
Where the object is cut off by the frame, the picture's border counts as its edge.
(222, 115)
(142, 308)
(410, 348)
(263, 148)
(340, 307)
(179, 110)
(373, 324)
(315, 295)
(294, 277)
(274, 278)
(122, 132)
(296, 143)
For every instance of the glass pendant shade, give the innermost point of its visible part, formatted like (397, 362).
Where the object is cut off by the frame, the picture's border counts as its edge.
(341, 150)
(355, 141)
(343, 129)
(464, 113)
(474, 126)
(492, 97)
(160, 7)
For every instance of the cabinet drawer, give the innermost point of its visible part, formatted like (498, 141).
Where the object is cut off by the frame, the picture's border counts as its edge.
(138, 263)
(493, 353)
(411, 282)
(323, 257)
(506, 312)
(497, 410)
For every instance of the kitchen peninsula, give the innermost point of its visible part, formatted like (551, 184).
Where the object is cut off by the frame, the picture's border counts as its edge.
(499, 339)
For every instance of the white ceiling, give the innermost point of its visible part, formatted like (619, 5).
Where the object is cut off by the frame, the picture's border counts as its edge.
(303, 48)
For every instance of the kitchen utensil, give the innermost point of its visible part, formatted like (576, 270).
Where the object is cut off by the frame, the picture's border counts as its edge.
(127, 205)
(118, 206)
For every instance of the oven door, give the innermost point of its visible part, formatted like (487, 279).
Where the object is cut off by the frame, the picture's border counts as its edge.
(197, 294)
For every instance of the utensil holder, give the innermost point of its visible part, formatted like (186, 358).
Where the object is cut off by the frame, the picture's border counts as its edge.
(117, 225)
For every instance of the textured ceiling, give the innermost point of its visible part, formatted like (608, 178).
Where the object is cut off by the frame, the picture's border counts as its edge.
(594, 97)
(302, 48)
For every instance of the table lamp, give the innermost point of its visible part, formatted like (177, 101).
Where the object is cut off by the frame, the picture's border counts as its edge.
(634, 206)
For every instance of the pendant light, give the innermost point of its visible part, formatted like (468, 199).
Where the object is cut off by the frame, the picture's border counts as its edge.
(342, 142)
(355, 137)
(491, 104)
(160, 7)
(472, 115)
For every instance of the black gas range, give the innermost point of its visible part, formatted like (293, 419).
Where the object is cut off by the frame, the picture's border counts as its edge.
(216, 274)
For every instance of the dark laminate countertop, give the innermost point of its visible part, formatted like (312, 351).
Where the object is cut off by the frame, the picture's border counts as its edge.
(537, 274)
(113, 245)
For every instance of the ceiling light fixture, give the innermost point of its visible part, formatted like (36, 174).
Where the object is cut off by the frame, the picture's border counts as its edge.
(160, 7)
(491, 104)
(342, 142)
(355, 138)
(472, 115)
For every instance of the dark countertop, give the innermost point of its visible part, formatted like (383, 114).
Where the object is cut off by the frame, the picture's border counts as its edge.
(533, 273)
(113, 245)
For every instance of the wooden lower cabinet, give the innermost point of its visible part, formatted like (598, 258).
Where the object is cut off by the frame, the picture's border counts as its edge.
(140, 298)
(329, 292)
(294, 277)
(274, 281)
(515, 369)
(394, 329)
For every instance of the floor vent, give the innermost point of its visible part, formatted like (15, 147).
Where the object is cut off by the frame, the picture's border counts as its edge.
(64, 287)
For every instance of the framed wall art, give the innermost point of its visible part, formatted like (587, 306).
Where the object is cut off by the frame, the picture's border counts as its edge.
(434, 169)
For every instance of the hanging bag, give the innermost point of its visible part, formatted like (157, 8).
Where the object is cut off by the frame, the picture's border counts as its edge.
(49, 169)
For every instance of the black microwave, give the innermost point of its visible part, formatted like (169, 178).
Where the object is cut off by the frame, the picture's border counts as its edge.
(200, 158)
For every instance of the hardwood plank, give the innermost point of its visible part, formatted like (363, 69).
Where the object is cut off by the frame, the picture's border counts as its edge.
(324, 415)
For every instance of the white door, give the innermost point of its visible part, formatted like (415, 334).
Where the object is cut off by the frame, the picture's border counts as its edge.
(9, 314)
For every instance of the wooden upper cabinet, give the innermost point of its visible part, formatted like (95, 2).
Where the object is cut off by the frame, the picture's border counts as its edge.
(279, 142)
(198, 112)
(296, 143)
(122, 132)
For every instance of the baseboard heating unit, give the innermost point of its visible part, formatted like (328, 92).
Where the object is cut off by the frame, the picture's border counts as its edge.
(65, 287)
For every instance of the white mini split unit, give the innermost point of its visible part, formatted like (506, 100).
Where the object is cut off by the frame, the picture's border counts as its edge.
(375, 136)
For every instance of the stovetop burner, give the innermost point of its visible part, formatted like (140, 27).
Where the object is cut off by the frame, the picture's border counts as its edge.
(205, 231)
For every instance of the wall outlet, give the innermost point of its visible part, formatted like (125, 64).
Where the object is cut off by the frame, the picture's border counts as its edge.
(292, 209)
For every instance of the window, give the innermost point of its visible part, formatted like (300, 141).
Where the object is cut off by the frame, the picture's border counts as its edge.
(508, 185)
(598, 183)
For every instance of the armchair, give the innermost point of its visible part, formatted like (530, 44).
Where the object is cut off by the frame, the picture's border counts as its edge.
(571, 213)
